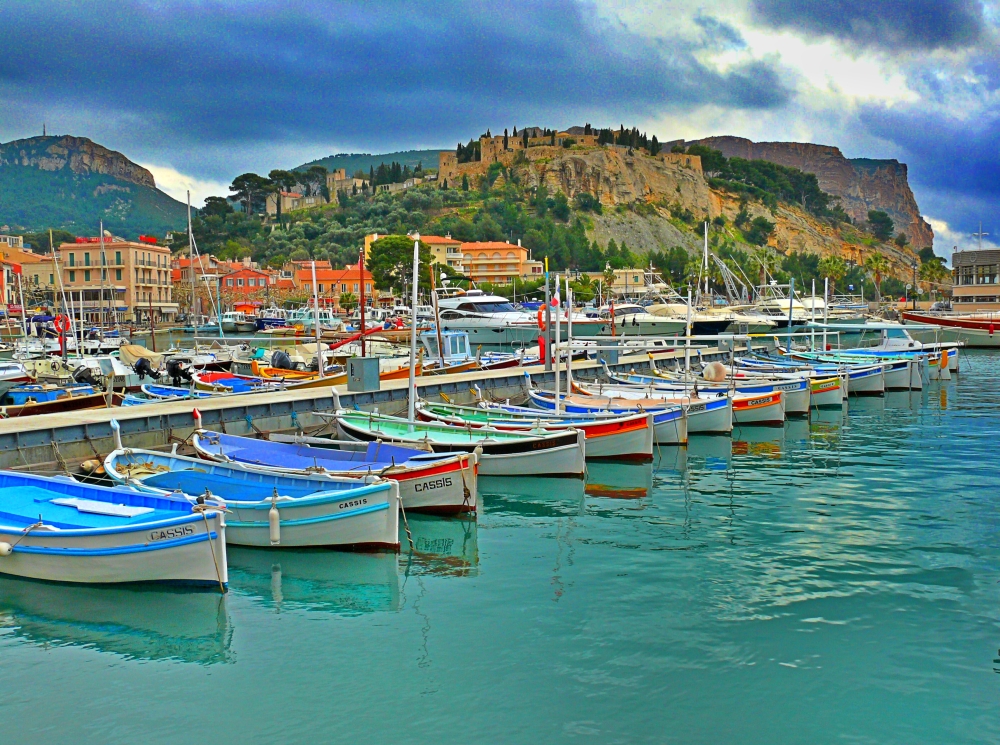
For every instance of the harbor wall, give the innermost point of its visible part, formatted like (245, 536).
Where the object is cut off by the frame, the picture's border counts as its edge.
(59, 443)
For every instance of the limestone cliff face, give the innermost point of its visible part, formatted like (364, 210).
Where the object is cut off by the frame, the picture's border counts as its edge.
(860, 184)
(616, 177)
(79, 154)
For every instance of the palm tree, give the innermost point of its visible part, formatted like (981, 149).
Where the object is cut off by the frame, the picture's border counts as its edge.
(877, 265)
(934, 272)
(833, 267)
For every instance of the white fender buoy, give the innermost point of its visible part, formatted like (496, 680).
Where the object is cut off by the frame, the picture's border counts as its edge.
(6, 549)
(274, 521)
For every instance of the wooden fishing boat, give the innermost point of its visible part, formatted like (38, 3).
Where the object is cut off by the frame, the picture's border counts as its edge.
(795, 392)
(624, 437)
(442, 483)
(271, 509)
(58, 400)
(223, 382)
(670, 423)
(539, 453)
(170, 393)
(59, 530)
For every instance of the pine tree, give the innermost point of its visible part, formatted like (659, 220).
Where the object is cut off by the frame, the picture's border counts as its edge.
(524, 138)
(505, 138)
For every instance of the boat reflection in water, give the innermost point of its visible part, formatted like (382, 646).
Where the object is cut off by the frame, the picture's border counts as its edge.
(316, 579)
(622, 480)
(715, 451)
(532, 496)
(763, 442)
(145, 623)
(446, 546)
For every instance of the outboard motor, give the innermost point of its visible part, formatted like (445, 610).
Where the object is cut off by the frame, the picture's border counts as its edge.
(176, 371)
(85, 375)
(281, 360)
(143, 369)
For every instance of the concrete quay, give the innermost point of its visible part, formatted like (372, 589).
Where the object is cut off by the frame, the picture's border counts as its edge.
(58, 443)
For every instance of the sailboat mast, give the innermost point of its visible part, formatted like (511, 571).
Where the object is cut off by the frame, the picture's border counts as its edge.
(194, 317)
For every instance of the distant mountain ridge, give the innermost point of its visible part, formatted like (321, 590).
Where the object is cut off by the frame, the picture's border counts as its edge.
(861, 184)
(352, 162)
(73, 183)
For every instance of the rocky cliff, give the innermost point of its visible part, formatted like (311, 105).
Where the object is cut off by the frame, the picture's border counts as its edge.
(860, 183)
(642, 195)
(73, 183)
(79, 154)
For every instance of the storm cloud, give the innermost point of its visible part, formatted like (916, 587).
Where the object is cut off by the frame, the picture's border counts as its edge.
(357, 73)
(888, 24)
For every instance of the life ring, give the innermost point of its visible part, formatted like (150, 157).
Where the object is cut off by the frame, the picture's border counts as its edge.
(61, 323)
(541, 318)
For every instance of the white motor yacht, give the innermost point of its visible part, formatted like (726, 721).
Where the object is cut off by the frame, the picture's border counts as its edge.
(493, 322)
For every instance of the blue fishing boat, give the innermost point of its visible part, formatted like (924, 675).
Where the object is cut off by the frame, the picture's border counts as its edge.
(268, 508)
(44, 393)
(164, 392)
(59, 530)
(442, 483)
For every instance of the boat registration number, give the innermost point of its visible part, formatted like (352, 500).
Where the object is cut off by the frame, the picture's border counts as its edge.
(167, 533)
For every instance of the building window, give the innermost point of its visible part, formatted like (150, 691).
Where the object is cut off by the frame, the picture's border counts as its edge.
(52, 279)
(343, 287)
(355, 286)
(86, 275)
(229, 282)
(86, 259)
(320, 289)
(72, 259)
(72, 275)
(118, 275)
(118, 257)
(239, 281)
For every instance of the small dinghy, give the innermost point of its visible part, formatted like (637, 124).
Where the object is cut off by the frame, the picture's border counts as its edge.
(59, 530)
(269, 508)
(538, 453)
(440, 483)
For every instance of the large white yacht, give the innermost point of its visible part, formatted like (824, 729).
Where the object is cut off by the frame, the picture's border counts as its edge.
(631, 319)
(492, 321)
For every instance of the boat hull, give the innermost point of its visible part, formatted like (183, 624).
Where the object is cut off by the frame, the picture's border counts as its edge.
(364, 522)
(710, 418)
(122, 556)
(765, 410)
(898, 376)
(558, 455)
(866, 383)
(826, 393)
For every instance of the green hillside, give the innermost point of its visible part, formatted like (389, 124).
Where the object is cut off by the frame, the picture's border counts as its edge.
(352, 162)
(34, 199)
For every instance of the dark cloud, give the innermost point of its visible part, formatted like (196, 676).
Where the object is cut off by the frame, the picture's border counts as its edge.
(191, 75)
(718, 34)
(954, 164)
(889, 24)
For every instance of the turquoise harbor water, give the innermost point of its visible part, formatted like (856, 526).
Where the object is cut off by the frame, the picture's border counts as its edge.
(832, 582)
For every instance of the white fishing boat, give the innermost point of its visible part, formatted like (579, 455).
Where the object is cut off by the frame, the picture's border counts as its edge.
(270, 509)
(539, 453)
(59, 530)
(442, 483)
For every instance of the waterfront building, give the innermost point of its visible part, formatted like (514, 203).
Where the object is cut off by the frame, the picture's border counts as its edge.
(11, 241)
(498, 262)
(132, 279)
(977, 280)
(447, 250)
